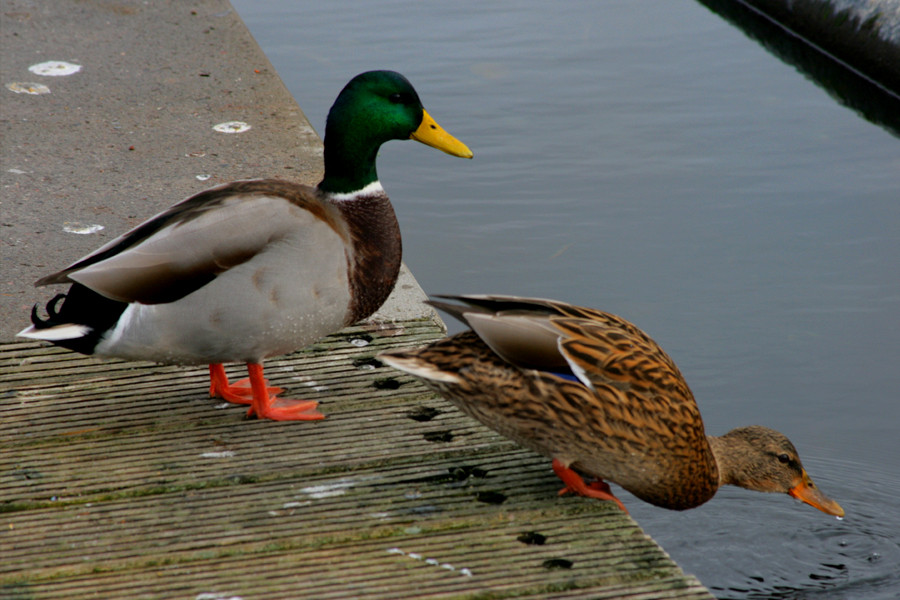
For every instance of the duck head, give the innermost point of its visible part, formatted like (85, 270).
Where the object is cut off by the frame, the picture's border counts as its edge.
(373, 108)
(762, 459)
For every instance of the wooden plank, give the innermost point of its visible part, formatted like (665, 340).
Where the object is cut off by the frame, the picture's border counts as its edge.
(125, 480)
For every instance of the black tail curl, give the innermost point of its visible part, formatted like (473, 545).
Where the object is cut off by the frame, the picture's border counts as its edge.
(80, 306)
(52, 314)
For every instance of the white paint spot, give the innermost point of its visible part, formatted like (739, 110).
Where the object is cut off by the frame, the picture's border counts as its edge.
(17, 171)
(359, 342)
(224, 405)
(328, 490)
(232, 127)
(34, 89)
(432, 562)
(216, 596)
(81, 228)
(54, 68)
(381, 321)
(289, 505)
(307, 381)
(203, 177)
(220, 454)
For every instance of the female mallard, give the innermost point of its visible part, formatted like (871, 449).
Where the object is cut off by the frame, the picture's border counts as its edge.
(253, 269)
(598, 396)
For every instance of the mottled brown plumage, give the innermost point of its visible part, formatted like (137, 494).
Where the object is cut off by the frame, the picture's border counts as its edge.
(597, 395)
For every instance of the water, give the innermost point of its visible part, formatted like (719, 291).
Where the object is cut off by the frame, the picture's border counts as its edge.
(650, 159)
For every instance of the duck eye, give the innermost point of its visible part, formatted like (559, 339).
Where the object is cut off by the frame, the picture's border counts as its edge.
(400, 98)
(784, 458)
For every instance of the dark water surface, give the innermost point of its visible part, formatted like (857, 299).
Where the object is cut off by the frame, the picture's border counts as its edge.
(649, 159)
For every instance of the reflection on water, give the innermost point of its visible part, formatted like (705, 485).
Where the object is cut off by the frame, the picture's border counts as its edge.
(872, 101)
(646, 158)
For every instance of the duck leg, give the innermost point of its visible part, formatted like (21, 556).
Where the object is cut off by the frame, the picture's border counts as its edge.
(244, 392)
(574, 483)
(266, 406)
(239, 392)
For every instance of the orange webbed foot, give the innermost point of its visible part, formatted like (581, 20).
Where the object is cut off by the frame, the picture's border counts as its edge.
(239, 392)
(289, 410)
(575, 484)
(265, 404)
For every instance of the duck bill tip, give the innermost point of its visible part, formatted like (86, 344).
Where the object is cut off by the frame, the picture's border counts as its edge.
(806, 492)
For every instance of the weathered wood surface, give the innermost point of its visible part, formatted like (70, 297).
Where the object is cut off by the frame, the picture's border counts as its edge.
(124, 480)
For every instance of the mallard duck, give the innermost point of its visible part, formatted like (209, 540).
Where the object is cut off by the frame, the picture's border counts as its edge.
(253, 269)
(600, 398)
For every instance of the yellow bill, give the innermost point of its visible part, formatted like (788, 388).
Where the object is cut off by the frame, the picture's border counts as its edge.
(432, 134)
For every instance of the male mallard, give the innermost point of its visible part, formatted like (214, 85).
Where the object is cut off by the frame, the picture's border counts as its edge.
(257, 268)
(598, 396)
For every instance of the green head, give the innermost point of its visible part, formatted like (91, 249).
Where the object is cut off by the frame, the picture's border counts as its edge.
(373, 108)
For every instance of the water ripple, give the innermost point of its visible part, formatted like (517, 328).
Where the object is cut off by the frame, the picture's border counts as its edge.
(747, 546)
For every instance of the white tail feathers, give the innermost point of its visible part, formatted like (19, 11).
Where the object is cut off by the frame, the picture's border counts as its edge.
(67, 331)
(418, 367)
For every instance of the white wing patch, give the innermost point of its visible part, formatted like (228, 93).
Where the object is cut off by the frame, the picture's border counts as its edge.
(577, 369)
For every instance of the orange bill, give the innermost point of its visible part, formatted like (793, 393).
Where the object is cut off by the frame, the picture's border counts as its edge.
(807, 491)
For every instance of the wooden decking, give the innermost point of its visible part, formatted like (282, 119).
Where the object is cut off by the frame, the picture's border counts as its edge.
(124, 480)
